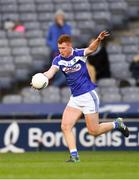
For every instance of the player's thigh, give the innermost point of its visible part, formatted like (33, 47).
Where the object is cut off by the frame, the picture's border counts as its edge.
(70, 116)
(92, 121)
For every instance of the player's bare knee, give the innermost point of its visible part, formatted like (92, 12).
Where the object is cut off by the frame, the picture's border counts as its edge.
(65, 127)
(93, 132)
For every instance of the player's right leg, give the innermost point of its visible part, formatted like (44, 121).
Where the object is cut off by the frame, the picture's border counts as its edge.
(70, 117)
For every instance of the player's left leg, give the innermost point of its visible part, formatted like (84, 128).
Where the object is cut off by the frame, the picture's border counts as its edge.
(70, 117)
(96, 129)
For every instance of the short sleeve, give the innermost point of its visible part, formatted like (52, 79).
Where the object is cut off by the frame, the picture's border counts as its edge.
(55, 62)
(80, 52)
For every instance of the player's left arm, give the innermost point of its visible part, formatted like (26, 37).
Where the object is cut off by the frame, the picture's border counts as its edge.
(95, 44)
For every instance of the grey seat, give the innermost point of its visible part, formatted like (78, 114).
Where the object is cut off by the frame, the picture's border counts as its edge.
(70, 16)
(7, 69)
(64, 6)
(28, 91)
(84, 16)
(28, 17)
(84, 6)
(107, 82)
(23, 61)
(65, 94)
(50, 90)
(51, 94)
(15, 35)
(90, 25)
(47, 16)
(43, 1)
(20, 51)
(32, 98)
(8, 1)
(110, 98)
(79, 1)
(28, 7)
(14, 98)
(100, 6)
(109, 90)
(129, 57)
(120, 70)
(60, 1)
(4, 42)
(34, 34)
(130, 49)
(9, 8)
(133, 12)
(102, 16)
(131, 98)
(129, 40)
(132, 81)
(13, 16)
(32, 25)
(18, 42)
(114, 48)
(37, 42)
(118, 6)
(6, 60)
(51, 98)
(130, 90)
(22, 74)
(6, 82)
(26, 1)
(5, 51)
(2, 34)
(45, 7)
(117, 58)
(41, 50)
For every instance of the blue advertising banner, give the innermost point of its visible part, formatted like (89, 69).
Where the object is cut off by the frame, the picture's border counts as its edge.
(47, 136)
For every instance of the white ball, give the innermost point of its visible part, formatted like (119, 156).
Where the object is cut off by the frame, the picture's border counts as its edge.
(39, 81)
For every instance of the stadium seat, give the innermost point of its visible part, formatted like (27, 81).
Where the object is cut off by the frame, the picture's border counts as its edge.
(29, 7)
(110, 98)
(45, 7)
(107, 82)
(51, 94)
(2, 34)
(37, 42)
(23, 61)
(18, 42)
(65, 94)
(20, 51)
(3, 43)
(130, 90)
(132, 98)
(14, 99)
(32, 99)
(109, 90)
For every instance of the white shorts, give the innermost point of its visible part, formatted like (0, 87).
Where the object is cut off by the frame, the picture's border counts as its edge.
(87, 103)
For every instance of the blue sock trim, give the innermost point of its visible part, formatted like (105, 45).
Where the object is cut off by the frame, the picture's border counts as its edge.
(116, 124)
(74, 154)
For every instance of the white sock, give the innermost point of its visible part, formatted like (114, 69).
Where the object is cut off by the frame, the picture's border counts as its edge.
(74, 152)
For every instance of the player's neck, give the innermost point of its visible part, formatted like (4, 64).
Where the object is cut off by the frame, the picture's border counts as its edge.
(70, 54)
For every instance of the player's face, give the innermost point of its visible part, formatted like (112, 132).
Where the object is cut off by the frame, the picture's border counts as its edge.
(65, 49)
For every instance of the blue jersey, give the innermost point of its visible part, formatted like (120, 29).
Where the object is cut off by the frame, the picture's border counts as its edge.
(75, 71)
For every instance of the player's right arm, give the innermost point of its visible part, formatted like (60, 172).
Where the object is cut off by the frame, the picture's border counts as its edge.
(51, 72)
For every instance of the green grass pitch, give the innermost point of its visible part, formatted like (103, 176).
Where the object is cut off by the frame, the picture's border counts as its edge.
(51, 165)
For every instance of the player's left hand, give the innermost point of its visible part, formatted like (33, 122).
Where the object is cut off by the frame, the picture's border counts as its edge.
(103, 34)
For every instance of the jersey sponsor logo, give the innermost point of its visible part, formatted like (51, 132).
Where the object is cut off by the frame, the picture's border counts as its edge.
(75, 68)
